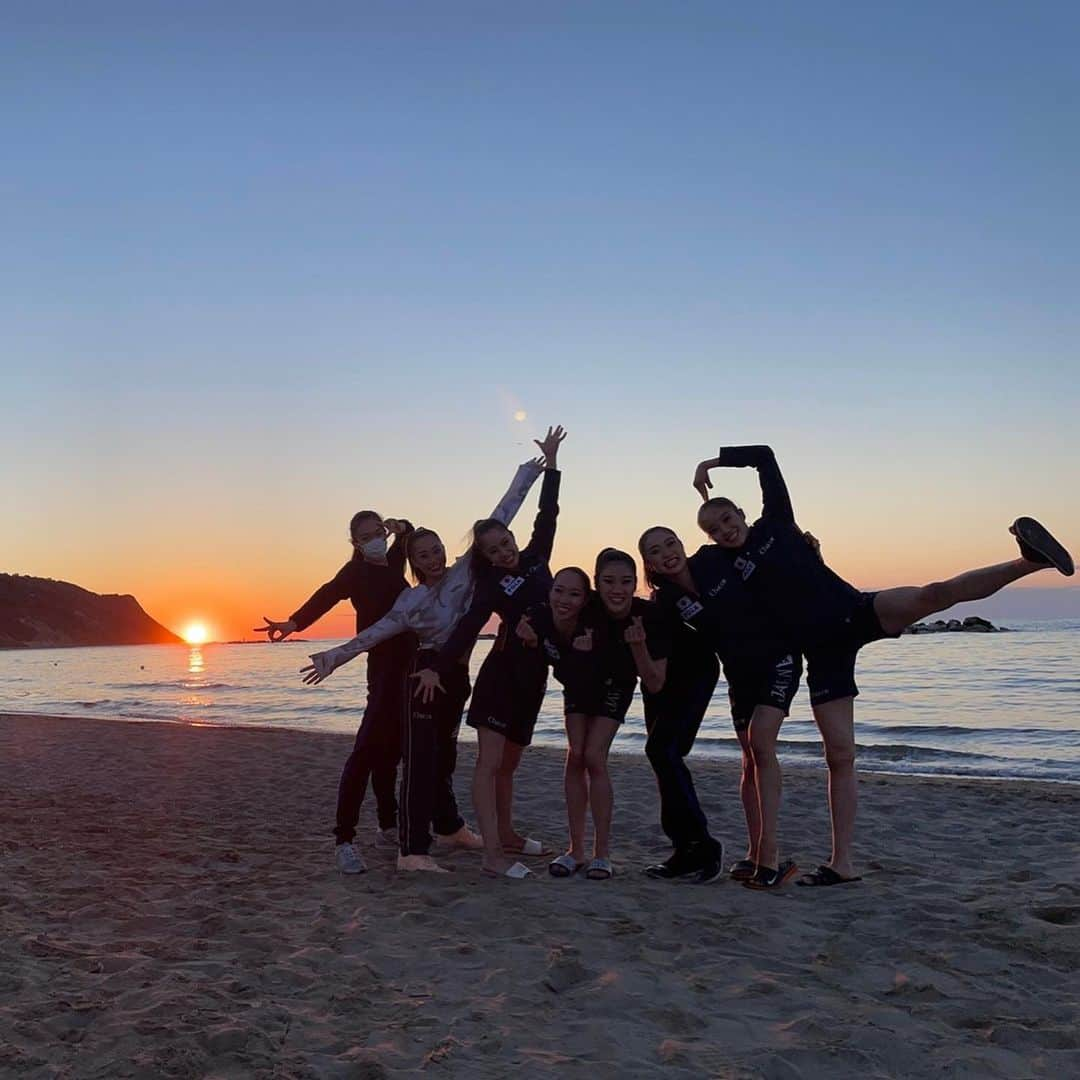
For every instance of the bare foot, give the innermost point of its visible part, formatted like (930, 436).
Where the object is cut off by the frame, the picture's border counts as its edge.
(498, 867)
(420, 862)
(463, 838)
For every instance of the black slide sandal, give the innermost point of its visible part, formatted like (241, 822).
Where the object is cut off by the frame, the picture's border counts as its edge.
(1038, 546)
(742, 870)
(825, 875)
(767, 878)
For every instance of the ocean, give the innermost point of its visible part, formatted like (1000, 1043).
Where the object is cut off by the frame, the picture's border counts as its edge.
(992, 705)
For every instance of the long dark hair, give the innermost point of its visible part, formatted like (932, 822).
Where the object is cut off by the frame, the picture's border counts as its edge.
(654, 579)
(477, 562)
(355, 522)
(412, 538)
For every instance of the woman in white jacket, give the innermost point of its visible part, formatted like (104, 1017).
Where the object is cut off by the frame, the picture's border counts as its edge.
(430, 610)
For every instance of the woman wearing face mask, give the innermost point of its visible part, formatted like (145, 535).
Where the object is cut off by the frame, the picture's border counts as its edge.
(762, 671)
(510, 684)
(831, 619)
(429, 730)
(372, 579)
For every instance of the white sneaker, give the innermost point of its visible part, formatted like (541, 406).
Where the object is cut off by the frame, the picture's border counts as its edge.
(348, 859)
(386, 838)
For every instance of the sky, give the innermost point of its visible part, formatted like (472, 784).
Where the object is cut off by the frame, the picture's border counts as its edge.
(268, 264)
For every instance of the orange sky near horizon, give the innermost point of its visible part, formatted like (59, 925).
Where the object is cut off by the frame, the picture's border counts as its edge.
(227, 574)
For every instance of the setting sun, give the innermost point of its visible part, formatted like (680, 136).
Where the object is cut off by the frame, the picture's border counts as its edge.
(195, 633)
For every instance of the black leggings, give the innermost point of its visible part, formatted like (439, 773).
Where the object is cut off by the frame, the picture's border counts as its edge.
(428, 757)
(377, 748)
(672, 719)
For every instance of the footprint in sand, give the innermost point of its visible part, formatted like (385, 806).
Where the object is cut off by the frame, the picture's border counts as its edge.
(565, 970)
(1058, 916)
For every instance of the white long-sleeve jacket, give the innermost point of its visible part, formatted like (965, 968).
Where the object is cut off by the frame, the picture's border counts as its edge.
(430, 612)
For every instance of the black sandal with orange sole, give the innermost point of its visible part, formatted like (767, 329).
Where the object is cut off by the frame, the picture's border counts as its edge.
(768, 878)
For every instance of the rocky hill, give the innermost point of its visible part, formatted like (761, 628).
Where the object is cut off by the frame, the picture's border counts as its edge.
(41, 612)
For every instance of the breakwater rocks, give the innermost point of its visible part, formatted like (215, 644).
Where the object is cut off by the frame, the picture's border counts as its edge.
(971, 625)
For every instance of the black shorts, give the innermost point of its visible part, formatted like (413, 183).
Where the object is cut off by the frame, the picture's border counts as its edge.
(773, 684)
(508, 694)
(830, 662)
(610, 699)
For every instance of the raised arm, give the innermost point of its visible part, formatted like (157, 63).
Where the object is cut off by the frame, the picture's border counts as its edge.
(394, 622)
(399, 528)
(543, 534)
(507, 507)
(775, 500)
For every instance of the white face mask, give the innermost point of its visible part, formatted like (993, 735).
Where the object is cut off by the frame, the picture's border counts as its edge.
(374, 549)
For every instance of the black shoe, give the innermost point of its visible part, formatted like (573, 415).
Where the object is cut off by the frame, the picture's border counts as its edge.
(712, 865)
(681, 863)
(1038, 546)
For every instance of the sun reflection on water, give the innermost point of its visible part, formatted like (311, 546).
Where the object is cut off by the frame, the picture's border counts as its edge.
(196, 665)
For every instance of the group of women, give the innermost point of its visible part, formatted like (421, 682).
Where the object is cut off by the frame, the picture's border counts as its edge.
(756, 600)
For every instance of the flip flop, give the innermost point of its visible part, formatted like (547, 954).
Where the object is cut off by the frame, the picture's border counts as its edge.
(517, 872)
(742, 870)
(1038, 546)
(825, 875)
(767, 878)
(600, 870)
(529, 847)
(564, 866)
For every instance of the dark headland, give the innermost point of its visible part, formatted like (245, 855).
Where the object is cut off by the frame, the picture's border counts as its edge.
(39, 612)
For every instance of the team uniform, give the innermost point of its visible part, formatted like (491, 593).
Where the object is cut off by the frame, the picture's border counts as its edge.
(511, 682)
(429, 731)
(809, 604)
(372, 589)
(760, 665)
(672, 719)
(600, 681)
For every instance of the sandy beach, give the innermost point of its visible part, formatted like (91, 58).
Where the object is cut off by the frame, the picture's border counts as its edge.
(169, 907)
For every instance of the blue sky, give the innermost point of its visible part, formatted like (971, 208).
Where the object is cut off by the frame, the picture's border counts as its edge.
(252, 249)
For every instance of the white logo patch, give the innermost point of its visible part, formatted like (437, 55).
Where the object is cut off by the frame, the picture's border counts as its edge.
(510, 584)
(745, 566)
(688, 608)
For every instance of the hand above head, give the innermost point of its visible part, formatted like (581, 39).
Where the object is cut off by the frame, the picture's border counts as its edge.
(583, 643)
(427, 682)
(635, 632)
(395, 526)
(526, 633)
(702, 481)
(281, 629)
(550, 443)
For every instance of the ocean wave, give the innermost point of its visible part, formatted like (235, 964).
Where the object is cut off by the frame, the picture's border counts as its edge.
(179, 684)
